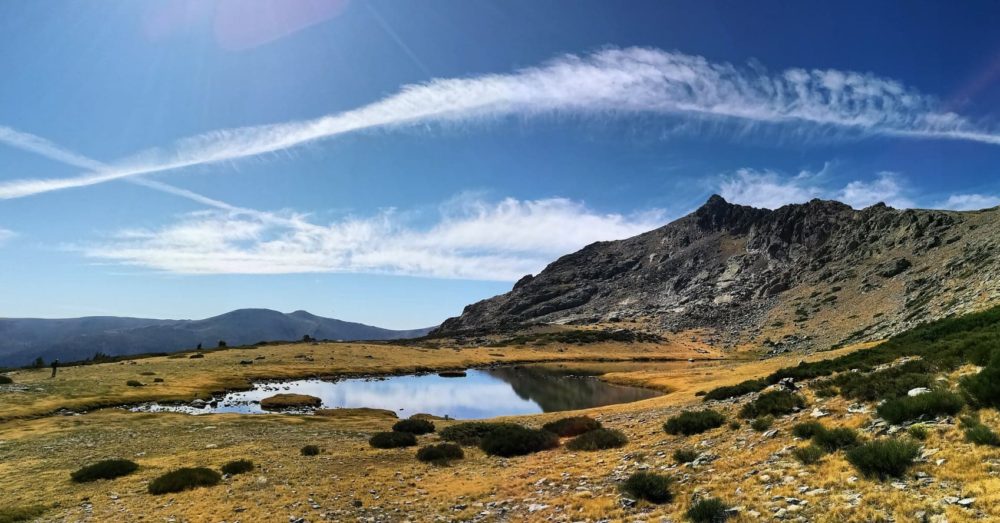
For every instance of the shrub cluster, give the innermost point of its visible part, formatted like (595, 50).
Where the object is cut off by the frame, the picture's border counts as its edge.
(6, 380)
(892, 382)
(984, 388)
(240, 466)
(883, 458)
(807, 429)
(979, 434)
(515, 440)
(133, 383)
(598, 439)
(691, 422)
(761, 424)
(573, 426)
(808, 454)
(440, 453)
(685, 455)
(708, 510)
(184, 479)
(414, 426)
(917, 432)
(649, 486)
(471, 433)
(392, 440)
(773, 403)
(835, 439)
(734, 391)
(107, 469)
(310, 450)
(934, 403)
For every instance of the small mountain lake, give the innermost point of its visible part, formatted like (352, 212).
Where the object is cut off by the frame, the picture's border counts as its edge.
(479, 393)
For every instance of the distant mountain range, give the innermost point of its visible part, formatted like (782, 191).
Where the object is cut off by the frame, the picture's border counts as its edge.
(800, 277)
(24, 339)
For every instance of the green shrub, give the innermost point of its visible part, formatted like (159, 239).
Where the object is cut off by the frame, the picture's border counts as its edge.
(826, 391)
(471, 433)
(6, 380)
(107, 469)
(892, 382)
(761, 424)
(807, 429)
(184, 479)
(808, 454)
(133, 383)
(392, 440)
(883, 458)
(598, 439)
(18, 514)
(515, 440)
(734, 391)
(934, 403)
(310, 450)
(918, 432)
(773, 403)
(984, 388)
(649, 486)
(685, 455)
(240, 466)
(440, 453)
(979, 434)
(691, 422)
(709, 510)
(836, 439)
(734, 425)
(414, 426)
(157, 380)
(574, 426)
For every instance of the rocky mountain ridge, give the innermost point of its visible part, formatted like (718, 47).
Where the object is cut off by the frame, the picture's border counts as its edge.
(802, 276)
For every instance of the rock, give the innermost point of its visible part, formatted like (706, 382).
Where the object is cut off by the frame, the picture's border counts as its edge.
(818, 413)
(966, 502)
(917, 391)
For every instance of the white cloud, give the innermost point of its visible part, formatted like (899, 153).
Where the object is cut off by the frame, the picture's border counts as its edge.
(612, 81)
(969, 202)
(474, 240)
(6, 235)
(771, 190)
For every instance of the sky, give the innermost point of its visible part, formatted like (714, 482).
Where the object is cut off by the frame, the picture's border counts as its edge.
(390, 162)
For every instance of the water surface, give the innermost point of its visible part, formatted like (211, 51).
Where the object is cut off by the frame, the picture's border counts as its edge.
(501, 391)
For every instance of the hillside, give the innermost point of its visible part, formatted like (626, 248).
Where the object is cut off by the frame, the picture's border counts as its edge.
(799, 277)
(23, 340)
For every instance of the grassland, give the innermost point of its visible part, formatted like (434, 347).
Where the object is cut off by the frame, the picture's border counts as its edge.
(349, 480)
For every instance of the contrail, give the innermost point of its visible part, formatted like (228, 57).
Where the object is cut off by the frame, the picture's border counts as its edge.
(608, 82)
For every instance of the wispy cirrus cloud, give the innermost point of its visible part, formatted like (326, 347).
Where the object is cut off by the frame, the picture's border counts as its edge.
(969, 202)
(6, 235)
(608, 82)
(474, 239)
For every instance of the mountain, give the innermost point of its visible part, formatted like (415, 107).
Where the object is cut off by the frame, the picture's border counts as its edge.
(799, 277)
(24, 339)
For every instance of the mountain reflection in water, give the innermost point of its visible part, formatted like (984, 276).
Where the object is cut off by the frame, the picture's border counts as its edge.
(501, 391)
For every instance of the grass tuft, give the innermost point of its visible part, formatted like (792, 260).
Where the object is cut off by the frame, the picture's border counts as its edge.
(184, 479)
(884, 458)
(649, 486)
(107, 469)
(240, 466)
(691, 422)
(709, 510)
(599, 439)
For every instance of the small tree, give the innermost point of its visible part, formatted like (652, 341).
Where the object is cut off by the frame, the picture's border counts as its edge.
(307, 338)
(39, 363)
(222, 343)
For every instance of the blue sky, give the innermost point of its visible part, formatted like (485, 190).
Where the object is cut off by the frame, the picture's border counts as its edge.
(390, 162)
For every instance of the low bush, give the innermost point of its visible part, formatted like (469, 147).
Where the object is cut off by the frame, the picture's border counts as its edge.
(649, 486)
(773, 403)
(691, 422)
(574, 426)
(196, 356)
(934, 403)
(835, 439)
(240, 466)
(892, 382)
(734, 425)
(440, 453)
(826, 391)
(735, 391)
(761, 424)
(184, 479)
(984, 388)
(515, 440)
(808, 454)
(979, 434)
(807, 429)
(414, 426)
(685, 455)
(107, 469)
(6, 380)
(471, 433)
(157, 380)
(917, 432)
(392, 440)
(883, 458)
(18, 514)
(310, 450)
(598, 439)
(709, 510)
(133, 383)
